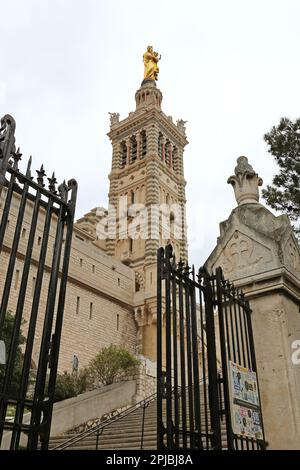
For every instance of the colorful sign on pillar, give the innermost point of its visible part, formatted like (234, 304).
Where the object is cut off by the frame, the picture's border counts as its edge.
(245, 405)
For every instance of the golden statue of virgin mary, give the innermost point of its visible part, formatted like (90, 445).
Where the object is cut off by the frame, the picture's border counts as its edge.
(150, 59)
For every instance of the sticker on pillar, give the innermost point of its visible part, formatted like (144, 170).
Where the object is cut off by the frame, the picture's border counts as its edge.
(245, 406)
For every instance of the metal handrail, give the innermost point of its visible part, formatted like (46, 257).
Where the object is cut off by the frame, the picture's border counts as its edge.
(79, 437)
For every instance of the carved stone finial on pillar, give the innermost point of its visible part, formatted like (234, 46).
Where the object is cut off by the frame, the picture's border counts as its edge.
(245, 182)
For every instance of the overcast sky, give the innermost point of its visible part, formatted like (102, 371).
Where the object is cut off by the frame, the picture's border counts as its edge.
(229, 67)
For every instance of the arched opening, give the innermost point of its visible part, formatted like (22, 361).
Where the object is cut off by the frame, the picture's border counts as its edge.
(143, 144)
(175, 159)
(133, 146)
(167, 152)
(159, 145)
(123, 154)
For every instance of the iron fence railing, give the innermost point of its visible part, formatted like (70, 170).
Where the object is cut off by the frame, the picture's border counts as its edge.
(203, 328)
(31, 209)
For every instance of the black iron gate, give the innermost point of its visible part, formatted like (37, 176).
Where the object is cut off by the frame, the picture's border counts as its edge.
(35, 241)
(204, 343)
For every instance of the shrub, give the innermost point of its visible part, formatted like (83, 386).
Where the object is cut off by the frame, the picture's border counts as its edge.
(112, 363)
(65, 387)
(69, 385)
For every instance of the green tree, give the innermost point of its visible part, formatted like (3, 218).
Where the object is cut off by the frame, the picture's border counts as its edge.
(112, 363)
(6, 337)
(284, 145)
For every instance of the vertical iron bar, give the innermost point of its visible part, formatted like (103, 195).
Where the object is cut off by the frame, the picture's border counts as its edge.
(98, 434)
(159, 378)
(13, 255)
(54, 354)
(246, 336)
(204, 367)
(182, 364)
(239, 358)
(212, 365)
(231, 333)
(251, 339)
(170, 443)
(241, 330)
(219, 278)
(19, 313)
(189, 362)
(143, 425)
(175, 359)
(196, 367)
(35, 306)
(40, 404)
(220, 381)
(226, 326)
(6, 291)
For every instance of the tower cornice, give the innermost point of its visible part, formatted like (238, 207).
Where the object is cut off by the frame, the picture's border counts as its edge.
(136, 120)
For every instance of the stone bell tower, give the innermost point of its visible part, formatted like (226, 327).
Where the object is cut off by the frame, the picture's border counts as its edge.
(147, 173)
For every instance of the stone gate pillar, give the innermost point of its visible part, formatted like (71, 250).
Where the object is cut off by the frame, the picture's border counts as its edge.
(259, 252)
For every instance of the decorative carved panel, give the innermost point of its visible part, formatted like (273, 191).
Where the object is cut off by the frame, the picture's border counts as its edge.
(244, 254)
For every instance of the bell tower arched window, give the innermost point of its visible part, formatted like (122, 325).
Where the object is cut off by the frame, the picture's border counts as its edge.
(167, 152)
(143, 144)
(133, 146)
(159, 145)
(123, 154)
(175, 159)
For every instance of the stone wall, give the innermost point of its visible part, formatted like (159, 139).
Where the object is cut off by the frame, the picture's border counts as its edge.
(145, 378)
(72, 412)
(98, 307)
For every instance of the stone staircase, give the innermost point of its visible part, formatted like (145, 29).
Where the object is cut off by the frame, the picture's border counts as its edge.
(125, 433)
